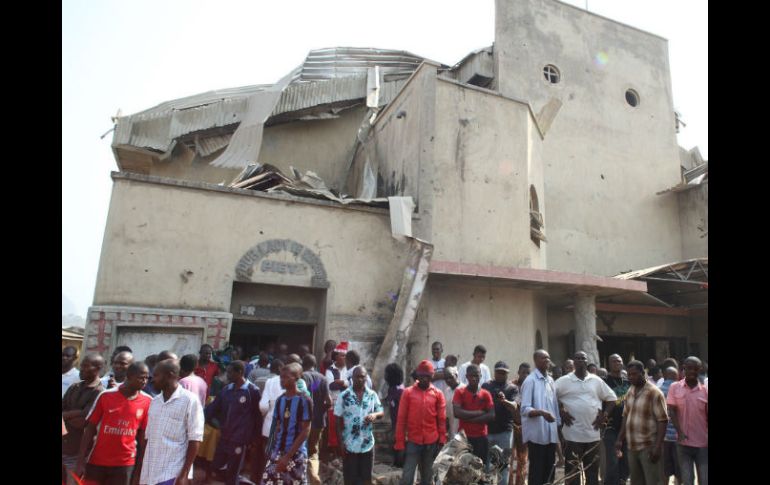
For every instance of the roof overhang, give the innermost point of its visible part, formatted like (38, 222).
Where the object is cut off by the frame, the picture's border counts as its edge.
(554, 285)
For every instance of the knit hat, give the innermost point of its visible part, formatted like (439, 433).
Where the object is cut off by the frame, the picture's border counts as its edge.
(341, 348)
(425, 368)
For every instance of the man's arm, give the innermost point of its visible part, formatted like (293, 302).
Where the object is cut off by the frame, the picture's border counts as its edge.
(339, 424)
(192, 452)
(441, 418)
(674, 415)
(466, 415)
(622, 435)
(139, 460)
(85, 444)
(284, 460)
(195, 422)
(401, 419)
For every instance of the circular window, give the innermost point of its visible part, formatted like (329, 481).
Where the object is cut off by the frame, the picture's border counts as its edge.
(551, 74)
(632, 98)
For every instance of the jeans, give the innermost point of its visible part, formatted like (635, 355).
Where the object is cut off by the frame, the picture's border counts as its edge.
(503, 440)
(617, 468)
(689, 456)
(643, 470)
(588, 454)
(313, 444)
(422, 454)
(542, 459)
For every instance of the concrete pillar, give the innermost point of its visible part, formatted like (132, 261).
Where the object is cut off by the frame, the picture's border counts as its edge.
(585, 326)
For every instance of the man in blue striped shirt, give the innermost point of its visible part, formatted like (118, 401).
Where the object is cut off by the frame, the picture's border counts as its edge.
(291, 418)
(540, 420)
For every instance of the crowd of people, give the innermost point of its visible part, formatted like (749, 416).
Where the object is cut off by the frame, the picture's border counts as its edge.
(280, 415)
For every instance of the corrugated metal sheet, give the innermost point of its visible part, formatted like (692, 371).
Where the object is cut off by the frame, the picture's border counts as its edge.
(327, 76)
(207, 146)
(337, 62)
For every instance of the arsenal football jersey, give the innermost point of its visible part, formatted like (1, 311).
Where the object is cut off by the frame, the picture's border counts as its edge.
(118, 419)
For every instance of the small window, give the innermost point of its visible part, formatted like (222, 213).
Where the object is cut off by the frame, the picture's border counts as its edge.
(632, 98)
(551, 74)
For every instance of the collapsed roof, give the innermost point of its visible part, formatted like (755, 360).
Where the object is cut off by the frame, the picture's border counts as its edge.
(328, 81)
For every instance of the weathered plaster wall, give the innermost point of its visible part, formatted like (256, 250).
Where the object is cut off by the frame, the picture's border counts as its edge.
(694, 217)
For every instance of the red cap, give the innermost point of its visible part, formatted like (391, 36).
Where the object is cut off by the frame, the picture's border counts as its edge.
(341, 348)
(425, 368)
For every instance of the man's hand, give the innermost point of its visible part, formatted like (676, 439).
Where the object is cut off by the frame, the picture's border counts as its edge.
(80, 468)
(655, 454)
(599, 422)
(566, 418)
(182, 479)
(549, 417)
(283, 463)
(370, 418)
(618, 449)
(681, 437)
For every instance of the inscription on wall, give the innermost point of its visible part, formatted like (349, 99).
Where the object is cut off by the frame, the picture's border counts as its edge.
(308, 263)
(281, 267)
(270, 312)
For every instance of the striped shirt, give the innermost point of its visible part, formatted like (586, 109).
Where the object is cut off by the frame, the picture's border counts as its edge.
(290, 413)
(170, 426)
(643, 411)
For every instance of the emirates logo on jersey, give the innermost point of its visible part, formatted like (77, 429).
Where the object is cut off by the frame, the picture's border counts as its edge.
(139, 413)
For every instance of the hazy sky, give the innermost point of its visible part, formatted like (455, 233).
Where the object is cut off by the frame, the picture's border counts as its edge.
(134, 55)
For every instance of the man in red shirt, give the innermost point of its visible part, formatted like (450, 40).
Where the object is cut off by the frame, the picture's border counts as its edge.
(421, 425)
(122, 417)
(207, 369)
(474, 408)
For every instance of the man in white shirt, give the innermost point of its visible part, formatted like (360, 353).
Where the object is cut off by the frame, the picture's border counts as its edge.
(174, 430)
(581, 396)
(479, 354)
(436, 349)
(270, 394)
(69, 373)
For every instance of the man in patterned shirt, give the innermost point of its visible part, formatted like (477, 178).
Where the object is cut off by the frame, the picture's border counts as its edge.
(356, 409)
(644, 427)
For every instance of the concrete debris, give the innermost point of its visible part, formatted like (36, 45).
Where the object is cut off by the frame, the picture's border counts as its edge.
(331, 473)
(457, 465)
(386, 475)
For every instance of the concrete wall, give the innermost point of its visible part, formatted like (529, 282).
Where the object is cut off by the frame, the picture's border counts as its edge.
(603, 160)
(398, 145)
(504, 320)
(484, 147)
(694, 218)
(323, 146)
(169, 246)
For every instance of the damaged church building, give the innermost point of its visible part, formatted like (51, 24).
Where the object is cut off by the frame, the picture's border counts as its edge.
(532, 195)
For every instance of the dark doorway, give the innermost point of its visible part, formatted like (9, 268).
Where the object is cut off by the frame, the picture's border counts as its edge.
(642, 348)
(255, 336)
